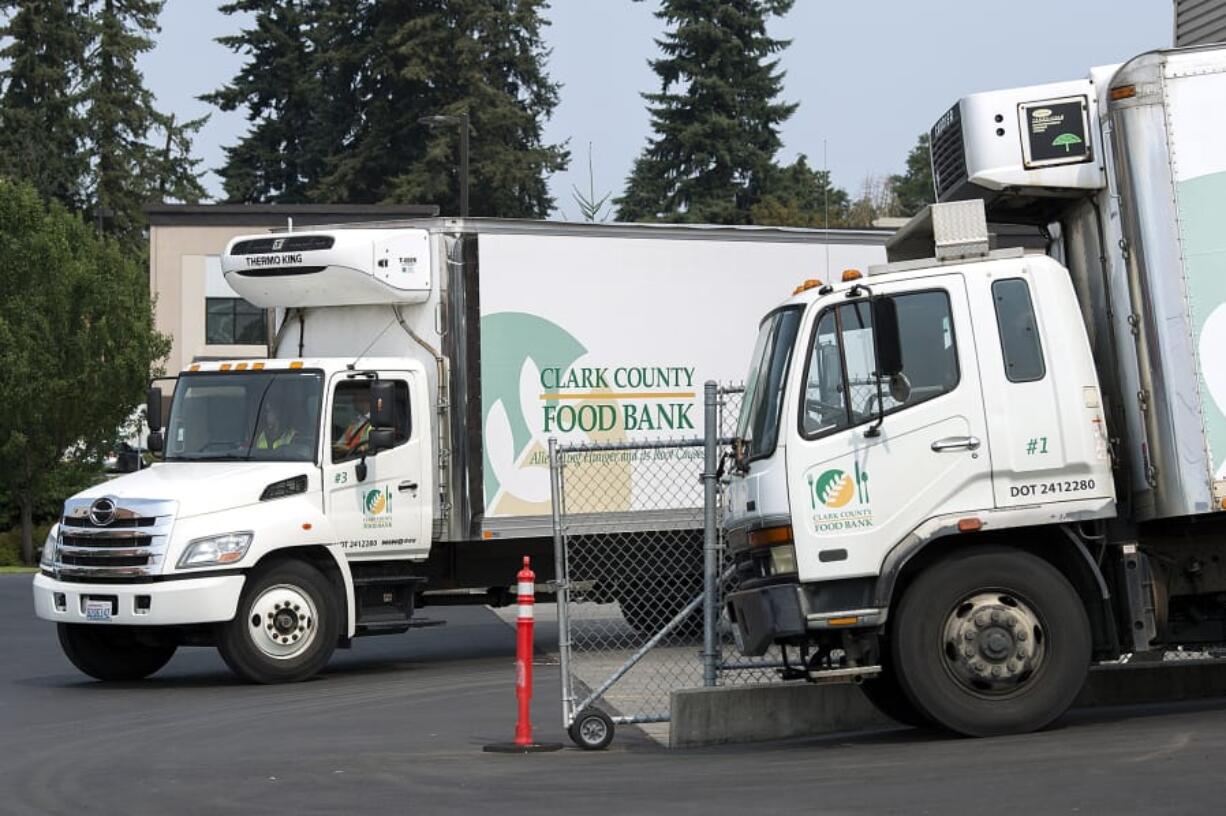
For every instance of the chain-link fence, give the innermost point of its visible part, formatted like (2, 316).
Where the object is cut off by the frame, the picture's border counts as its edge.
(642, 571)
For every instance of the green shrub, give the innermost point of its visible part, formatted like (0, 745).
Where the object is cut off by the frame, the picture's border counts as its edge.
(10, 544)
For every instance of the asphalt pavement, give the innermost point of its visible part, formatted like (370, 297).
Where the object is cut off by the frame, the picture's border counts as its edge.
(396, 725)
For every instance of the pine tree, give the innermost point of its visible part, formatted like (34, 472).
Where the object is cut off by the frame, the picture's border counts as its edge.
(444, 57)
(279, 89)
(716, 117)
(123, 121)
(335, 91)
(914, 188)
(41, 127)
(800, 196)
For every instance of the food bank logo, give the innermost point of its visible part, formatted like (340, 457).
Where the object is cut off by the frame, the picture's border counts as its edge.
(377, 508)
(838, 500)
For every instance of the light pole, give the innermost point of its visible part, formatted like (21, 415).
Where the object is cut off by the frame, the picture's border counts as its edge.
(459, 120)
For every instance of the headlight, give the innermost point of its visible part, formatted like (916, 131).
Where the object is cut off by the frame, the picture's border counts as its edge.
(783, 559)
(219, 549)
(50, 547)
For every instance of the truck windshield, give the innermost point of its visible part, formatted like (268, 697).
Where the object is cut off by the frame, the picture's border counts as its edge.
(759, 421)
(268, 415)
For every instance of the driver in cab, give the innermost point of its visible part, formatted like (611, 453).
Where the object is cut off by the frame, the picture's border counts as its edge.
(276, 432)
(353, 439)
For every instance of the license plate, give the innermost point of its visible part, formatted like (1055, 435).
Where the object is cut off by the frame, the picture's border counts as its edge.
(97, 610)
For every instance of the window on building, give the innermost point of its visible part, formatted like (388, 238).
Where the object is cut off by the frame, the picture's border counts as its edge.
(1019, 332)
(232, 321)
(841, 384)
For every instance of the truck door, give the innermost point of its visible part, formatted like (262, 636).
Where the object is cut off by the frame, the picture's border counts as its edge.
(388, 514)
(857, 489)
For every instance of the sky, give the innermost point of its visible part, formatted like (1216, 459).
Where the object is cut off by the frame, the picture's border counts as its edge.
(869, 75)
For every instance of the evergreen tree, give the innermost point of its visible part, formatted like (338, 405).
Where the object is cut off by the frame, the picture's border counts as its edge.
(801, 196)
(130, 169)
(41, 127)
(334, 92)
(282, 86)
(914, 188)
(486, 57)
(716, 117)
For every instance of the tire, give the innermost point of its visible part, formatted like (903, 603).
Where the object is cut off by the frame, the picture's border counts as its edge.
(592, 730)
(287, 625)
(976, 645)
(887, 696)
(113, 653)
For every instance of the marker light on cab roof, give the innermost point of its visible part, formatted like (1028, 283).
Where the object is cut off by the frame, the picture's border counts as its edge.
(811, 283)
(851, 275)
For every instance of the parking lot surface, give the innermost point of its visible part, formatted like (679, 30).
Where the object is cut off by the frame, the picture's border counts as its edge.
(396, 725)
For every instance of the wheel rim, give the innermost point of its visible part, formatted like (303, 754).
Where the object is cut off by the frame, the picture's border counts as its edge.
(593, 730)
(283, 622)
(994, 643)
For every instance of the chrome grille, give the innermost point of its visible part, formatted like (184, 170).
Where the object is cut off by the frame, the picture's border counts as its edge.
(130, 544)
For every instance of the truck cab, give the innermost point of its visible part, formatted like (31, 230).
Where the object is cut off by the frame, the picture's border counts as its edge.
(329, 459)
(923, 407)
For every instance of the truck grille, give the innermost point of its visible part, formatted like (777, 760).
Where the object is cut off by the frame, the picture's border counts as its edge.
(948, 152)
(115, 540)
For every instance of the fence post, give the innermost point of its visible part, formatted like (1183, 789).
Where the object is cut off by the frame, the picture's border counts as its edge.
(562, 589)
(710, 543)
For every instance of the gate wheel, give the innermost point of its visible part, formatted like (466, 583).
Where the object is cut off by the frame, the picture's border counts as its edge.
(592, 730)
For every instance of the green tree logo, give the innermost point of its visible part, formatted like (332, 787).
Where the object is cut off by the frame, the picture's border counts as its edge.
(1066, 140)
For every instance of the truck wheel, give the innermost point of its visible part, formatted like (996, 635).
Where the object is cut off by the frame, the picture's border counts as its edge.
(113, 652)
(287, 625)
(991, 641)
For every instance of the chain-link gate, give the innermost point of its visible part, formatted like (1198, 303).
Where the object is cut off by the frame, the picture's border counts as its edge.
(641, 575)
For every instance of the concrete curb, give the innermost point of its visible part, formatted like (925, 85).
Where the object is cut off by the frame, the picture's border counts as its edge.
(773, 711)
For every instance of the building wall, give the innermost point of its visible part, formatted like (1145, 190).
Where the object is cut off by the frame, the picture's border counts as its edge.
(178, 280)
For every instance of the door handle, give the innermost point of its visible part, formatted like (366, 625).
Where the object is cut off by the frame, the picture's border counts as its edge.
(955, 443)
(406, 486)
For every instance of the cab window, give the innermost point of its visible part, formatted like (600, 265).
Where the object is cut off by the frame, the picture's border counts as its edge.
(1019, 332)
(842, 388)
(350, 424)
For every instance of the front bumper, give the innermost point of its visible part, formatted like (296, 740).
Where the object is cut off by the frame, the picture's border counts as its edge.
(207, 599)
(766, 615)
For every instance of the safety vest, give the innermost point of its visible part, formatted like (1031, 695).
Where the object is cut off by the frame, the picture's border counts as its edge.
(356, 434)
(284, 439)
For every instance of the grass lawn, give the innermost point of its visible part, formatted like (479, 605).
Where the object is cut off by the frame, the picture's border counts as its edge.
(18, 570)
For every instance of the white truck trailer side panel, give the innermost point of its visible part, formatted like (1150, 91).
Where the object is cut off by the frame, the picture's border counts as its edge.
(611, 339)
(1196, 121)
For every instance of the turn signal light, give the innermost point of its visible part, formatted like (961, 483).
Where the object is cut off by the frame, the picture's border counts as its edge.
(851, 275)
(969, 525)
(1123, 92)
(811, 283)
(771, 535)
(851, 620)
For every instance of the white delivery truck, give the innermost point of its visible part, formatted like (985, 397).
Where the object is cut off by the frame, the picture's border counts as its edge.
(968, 474)
(391, 450)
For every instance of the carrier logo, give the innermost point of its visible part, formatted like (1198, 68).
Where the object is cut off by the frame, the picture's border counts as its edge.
(377, 508)
(838, 500)
(102, 512)
(277, 244)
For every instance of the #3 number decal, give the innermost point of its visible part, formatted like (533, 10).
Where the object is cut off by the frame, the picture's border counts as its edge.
(340, 478)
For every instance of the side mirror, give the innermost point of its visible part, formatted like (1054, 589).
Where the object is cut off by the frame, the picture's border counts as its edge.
(153, 409)
(886, 337)
(128, 461)
(155, 443)
(382, 406)
(380, 439)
